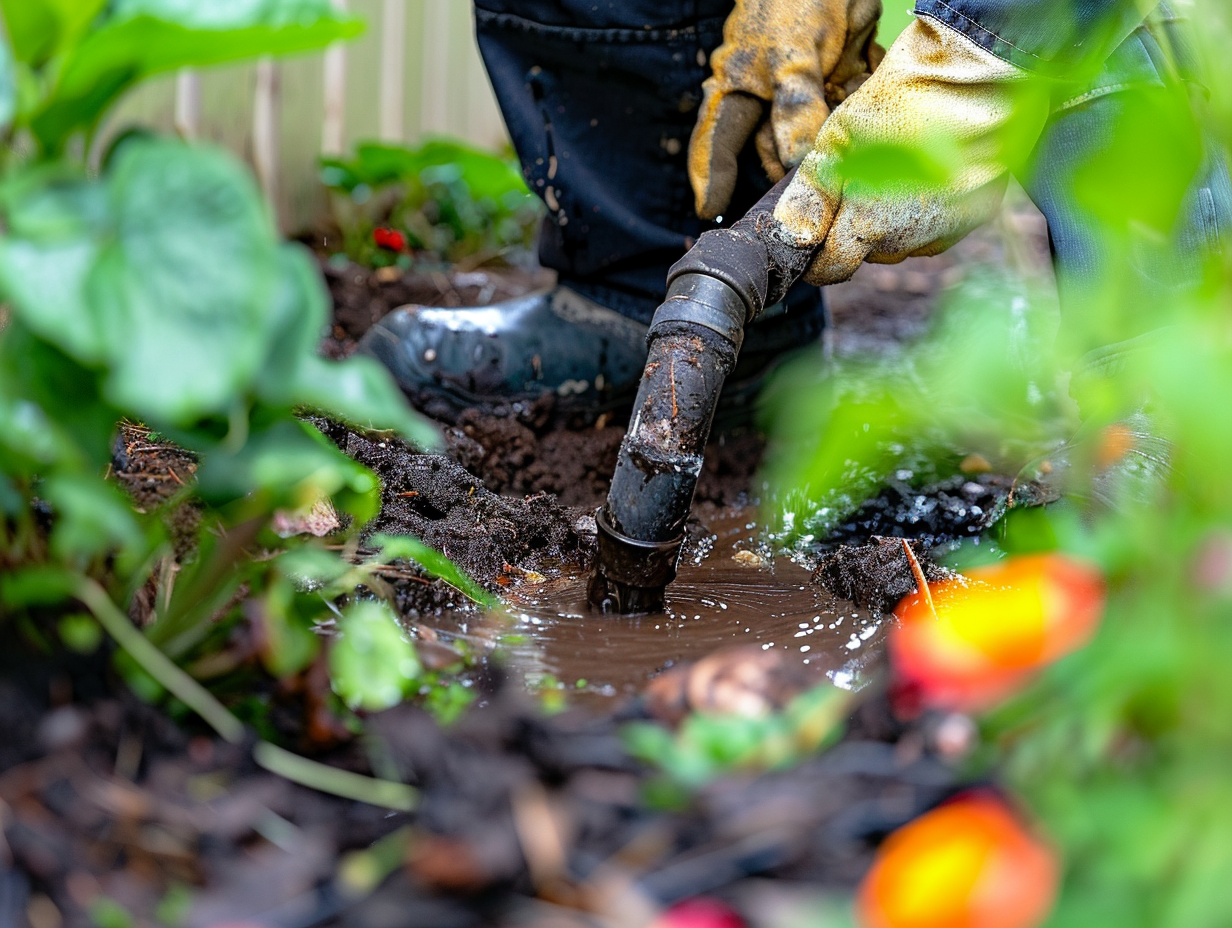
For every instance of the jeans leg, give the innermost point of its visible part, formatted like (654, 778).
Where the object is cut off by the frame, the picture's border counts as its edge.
(1149, 272)
(600, 98)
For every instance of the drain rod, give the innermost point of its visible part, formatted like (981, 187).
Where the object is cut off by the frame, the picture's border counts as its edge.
(725, 282)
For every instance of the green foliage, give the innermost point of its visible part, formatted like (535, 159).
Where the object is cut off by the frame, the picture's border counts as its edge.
(77, 57)
(394, 547)
(983, 380)
(107, 913)
(157, 290)
(1121, 748)
(448, 198)
(709, 746)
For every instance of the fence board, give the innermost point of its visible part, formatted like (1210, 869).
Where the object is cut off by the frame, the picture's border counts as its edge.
(428, 81)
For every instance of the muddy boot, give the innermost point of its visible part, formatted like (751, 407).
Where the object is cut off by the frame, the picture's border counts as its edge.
(446, 360)
(558, 342)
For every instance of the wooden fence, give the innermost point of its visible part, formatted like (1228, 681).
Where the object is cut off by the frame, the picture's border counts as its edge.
(414, 72)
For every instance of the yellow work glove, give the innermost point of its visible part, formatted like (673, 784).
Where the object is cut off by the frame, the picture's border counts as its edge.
(787, 55)
(917, 157)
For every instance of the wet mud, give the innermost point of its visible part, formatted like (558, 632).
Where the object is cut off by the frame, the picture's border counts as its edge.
(728, 594)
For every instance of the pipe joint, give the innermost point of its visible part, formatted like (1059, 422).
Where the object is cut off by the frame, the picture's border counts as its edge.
(706, 301)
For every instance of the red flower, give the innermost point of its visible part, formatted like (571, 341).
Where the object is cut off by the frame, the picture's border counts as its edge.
(979, 637)
(389, 239)
(699, 912)
(969, 863)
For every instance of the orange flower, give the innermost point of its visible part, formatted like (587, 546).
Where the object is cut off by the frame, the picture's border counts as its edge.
(985, 633)
(967, 864)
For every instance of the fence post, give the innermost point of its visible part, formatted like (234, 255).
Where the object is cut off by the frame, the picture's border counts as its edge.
(188, 104)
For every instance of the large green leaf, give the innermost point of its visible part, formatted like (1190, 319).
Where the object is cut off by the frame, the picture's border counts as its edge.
(141, 38)
(361, 392)
(58, 417)
(184, 289)
(54, 225)
(93, 518)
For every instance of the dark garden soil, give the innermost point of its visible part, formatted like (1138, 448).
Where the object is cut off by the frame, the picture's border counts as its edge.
(114, 814)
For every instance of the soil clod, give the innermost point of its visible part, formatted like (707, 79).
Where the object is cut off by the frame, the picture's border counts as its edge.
(876, 575)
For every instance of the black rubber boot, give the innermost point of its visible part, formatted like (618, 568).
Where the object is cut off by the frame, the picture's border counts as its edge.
(558, 342)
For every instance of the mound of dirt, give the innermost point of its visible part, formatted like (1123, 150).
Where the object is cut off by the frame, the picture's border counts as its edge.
(441, 503)
(519, 451)
(955, 508)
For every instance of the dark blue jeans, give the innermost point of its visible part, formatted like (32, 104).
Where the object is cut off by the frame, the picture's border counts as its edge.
(600, 97)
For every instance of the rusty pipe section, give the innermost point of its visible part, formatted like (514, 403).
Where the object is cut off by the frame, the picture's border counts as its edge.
(725, 282)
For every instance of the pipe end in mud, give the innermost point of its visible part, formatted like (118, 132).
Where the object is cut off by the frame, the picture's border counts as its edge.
(630, 575)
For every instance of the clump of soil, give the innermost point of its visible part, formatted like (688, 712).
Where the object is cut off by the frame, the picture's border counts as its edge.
(517, 451)
(441, 503)
(150, 469)
(876, 575)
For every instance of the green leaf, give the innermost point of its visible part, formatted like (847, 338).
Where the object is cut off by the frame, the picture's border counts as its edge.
(141, 38)
(184, 291)
(373, 665)
(358, 391)
(42, 585)
(290, 643)
(361, 392)
(80, 633)
(313, 566)
(93, 518)
(1157, 126)
(294, 465)
(164, 272)
(431, 560)
(59, 417)
(39, 28)
(54, 223)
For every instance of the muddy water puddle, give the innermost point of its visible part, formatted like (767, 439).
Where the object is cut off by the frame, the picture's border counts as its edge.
(725, 595)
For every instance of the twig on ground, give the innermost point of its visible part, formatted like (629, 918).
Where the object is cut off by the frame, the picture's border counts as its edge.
(920, 580)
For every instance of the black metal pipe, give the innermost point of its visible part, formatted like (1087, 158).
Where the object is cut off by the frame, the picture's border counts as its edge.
(725, 282)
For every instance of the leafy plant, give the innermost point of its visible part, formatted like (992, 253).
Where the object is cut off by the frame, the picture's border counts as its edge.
(708, 746)
(444, 197)
(1119, 748)
(158, 290)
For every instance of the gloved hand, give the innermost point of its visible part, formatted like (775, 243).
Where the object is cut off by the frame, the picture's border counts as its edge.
(790, 55)
(940, 108)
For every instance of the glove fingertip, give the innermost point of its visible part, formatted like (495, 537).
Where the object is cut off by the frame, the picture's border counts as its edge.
(805, 212)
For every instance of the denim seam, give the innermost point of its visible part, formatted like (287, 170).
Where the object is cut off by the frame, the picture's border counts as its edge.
(516, 23)
(1210, 217)
(1092, 94)
(986, 39)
